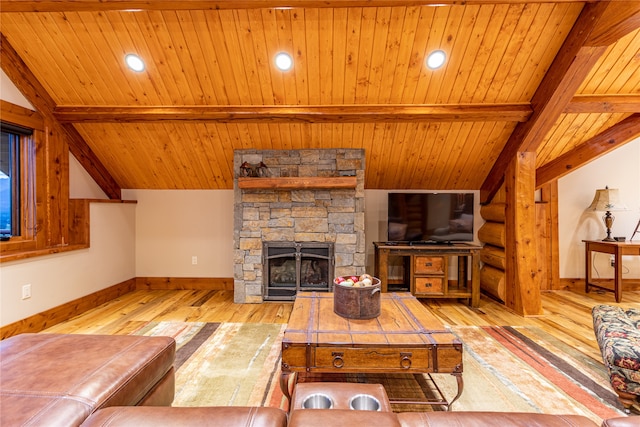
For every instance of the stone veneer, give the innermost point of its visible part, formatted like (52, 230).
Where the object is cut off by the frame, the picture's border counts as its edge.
(305, 215)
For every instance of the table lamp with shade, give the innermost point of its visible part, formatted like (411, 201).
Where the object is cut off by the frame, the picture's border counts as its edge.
(607, 200)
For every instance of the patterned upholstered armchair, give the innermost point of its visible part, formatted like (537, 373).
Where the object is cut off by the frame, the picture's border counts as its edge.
(618, 335)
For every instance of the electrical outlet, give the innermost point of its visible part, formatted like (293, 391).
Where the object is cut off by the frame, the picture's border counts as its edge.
(612, 261)
(194, 260)
(26, 291)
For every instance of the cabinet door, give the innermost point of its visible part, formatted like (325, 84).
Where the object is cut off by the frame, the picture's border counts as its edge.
(429, 264)
(429, 285)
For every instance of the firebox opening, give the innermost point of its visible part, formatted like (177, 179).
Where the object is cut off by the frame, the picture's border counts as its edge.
(293, 267)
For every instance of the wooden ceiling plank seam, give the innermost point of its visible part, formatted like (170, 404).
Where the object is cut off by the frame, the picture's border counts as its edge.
(145, 28)
(622, 65)
(356, 92)
(95, 42)
(220, 96)
(415, 64)
(60, 87)
(354, 39)
(182, 168)
(367, 143)
(551, 40)
(377, 154)
(407, 43)
(514, 60)
(86, 48)
(32, 61)
(400, 162)
(455, 139)
(223, 55)
(312, 43)
(389, 150)
(473, 174)
(235, 70)
(547, 147)
(194, 153)
(270, 26)
(428, 78)
(442, 160)
(489, 36)
(247, 55)
(428, 170)
(338, 56)
(456, 180)
(445, 76)
(118, 33)
(193, 56)
(326, 55)
(207, 177)
(223, 153)
(390, 57)
(476, 20)
(378, 52)
(410, 163)
(10, 6)
(299, 54)
(492, 148)
(285, 41)
(423, 152)
(150, 146)
(370, 57)
(616, 136)
(395, 159)
(262, 55)
(499, 49)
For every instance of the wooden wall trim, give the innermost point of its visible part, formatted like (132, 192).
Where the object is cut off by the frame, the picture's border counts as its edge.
(66, 311)
(577, 285)
(41, 321)
(184, 283)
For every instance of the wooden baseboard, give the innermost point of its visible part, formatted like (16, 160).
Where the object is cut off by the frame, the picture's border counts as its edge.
(61, 313)
(39, 322)
(182, 283)
(577, 285)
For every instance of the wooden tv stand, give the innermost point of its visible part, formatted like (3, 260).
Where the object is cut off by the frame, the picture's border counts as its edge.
(427, 266)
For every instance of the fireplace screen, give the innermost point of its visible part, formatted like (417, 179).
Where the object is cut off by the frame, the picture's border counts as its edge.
(292, 267)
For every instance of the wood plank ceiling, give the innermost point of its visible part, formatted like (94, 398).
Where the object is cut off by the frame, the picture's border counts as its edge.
(358, 81)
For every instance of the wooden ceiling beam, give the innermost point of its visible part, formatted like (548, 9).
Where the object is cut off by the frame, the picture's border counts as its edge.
(572, 64)
(299, 114)
(601, 144)
(338, 113)
(135, 5)
(615, 23)
(603, 104)
(27, 83)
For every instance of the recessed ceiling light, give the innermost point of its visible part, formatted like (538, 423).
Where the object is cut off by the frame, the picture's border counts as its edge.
(436, 59)
(284, 61)
(134, 62)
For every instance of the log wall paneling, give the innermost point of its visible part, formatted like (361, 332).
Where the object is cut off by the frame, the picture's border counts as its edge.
(493, 235)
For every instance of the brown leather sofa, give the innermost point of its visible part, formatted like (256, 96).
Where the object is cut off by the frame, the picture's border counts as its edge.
(61, 379)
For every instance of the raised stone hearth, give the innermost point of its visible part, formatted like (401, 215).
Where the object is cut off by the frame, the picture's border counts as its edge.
(297, 215)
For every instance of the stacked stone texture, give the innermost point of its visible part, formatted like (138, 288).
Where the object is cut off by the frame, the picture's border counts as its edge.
(306, 215)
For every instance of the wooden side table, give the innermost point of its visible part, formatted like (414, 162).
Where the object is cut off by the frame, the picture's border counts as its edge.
(617, 249)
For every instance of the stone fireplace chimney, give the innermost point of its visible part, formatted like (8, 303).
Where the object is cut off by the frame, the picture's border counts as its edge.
(308, 213)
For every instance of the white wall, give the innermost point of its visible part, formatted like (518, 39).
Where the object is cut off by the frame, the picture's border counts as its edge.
(618, 169)
(172, 226)
(57, 279)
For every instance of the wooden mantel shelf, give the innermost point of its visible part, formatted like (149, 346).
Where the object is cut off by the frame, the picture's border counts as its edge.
(297, 183)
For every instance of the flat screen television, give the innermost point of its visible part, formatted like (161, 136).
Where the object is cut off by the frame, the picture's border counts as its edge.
(430, 217)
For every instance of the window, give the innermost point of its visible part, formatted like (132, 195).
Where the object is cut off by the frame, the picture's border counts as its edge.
(11, 182)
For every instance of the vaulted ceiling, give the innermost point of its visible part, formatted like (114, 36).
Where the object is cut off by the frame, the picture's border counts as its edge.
(560, 78)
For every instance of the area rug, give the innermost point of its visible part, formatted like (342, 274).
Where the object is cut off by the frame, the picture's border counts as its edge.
(505, 369)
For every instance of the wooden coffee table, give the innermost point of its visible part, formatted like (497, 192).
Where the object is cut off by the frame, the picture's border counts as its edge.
(405, 338)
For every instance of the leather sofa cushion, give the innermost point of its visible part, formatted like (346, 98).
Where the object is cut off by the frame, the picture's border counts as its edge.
(60, 379)
(632, 421)
(341, 417)
(228, 416)
(491, 419)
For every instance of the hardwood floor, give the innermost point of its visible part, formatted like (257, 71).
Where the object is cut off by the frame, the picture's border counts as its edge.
(567, 314)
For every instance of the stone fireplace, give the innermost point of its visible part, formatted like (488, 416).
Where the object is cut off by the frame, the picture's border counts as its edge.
(291, 216)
